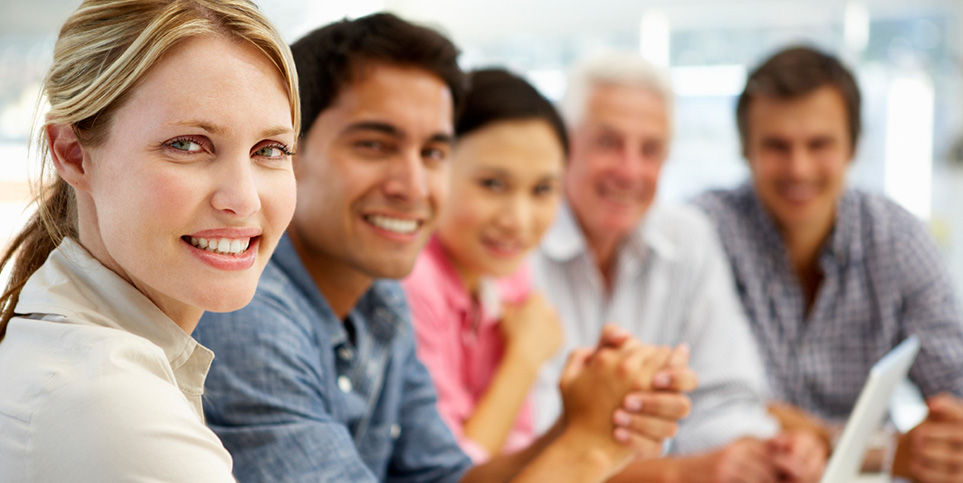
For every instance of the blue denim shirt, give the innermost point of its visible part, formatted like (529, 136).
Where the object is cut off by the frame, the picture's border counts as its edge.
(294, 397)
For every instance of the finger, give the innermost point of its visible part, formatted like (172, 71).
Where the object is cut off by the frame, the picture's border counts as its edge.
(678, 379)
(641, 364)
(756, 468)
(939, 435)
(645, 426)
(613, 336)
(574, 365)
(680, 356)
(642, 447)
(665, 405)
(934, 474)
(944, 407)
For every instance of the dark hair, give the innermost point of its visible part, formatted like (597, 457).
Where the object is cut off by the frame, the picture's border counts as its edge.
(796, 72)
(332, 56)
(498, 95)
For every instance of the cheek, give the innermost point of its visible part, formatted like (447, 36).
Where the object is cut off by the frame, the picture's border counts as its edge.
(543, 215)
(147, 200)
(279, 197)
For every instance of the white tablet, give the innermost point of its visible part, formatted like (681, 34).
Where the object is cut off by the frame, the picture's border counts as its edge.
(867, 416)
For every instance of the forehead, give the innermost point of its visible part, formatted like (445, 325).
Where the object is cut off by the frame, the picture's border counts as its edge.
(405, 97)
(213, 80)
(819, 113)
(520, 147)
(629, 109)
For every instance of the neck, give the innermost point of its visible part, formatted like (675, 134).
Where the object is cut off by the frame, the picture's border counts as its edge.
(341, 284)
(469, 278)
(604, 249)
(803, 245)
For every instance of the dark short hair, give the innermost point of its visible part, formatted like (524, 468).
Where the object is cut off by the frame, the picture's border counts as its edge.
(796, 72)
(330, 57)
(498, 95)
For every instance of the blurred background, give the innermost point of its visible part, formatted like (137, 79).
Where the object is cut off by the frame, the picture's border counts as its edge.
(907, 56)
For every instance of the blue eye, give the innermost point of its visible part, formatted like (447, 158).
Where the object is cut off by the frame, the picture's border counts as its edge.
(273, 151)
(186, 145)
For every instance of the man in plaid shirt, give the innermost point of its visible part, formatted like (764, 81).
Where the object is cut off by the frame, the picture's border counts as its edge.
(832, 277)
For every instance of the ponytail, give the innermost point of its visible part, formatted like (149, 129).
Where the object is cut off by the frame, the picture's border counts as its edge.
(55, 219)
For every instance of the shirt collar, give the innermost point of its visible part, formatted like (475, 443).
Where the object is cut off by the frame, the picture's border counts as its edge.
(380, 308)
(565, 241)
(843, 244)
(453, 289)
(73, 284)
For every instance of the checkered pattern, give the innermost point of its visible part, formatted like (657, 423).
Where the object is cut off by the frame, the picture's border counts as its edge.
(884, 279)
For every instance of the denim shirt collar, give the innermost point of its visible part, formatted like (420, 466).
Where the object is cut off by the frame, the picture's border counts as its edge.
(378, 308)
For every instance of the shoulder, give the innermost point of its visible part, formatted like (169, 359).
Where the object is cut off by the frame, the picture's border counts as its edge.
(106, 421)
(682, 225)
(886, 225)
(277, 309)
(728, 210)
(426, 278)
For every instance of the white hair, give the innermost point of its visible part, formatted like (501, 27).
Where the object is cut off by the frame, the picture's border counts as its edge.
(618, 68)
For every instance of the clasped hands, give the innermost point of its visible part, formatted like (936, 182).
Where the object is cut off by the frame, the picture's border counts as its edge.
(626, 396)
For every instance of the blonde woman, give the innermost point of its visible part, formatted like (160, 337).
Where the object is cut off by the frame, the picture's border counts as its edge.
(170, 128)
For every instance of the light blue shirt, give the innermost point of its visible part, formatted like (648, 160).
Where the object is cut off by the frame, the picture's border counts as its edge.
(295, 396)
(672, 285)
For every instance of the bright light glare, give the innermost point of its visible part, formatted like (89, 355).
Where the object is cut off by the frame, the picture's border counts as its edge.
(654, 34)
(708, 80)
(909, 144)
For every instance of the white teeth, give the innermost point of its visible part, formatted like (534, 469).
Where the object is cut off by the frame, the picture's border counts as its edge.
(396, 225)
(223, 245)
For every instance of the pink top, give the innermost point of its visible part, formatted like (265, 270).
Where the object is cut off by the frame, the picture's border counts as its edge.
(460, 342)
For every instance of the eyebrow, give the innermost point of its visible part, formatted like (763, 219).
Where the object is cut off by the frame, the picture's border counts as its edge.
(390, 130)
(220, 131)
(504, 172)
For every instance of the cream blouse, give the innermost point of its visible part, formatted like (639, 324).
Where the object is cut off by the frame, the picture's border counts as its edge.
(97, 384)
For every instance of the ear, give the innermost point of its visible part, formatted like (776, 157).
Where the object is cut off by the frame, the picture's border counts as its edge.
(67, 155)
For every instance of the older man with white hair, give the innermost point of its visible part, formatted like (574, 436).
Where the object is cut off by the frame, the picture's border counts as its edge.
(613, 255)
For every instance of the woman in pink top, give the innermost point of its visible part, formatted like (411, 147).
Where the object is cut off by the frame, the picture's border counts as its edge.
(480, 332)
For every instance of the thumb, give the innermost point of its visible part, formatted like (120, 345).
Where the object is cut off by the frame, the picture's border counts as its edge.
(944, 407)
(613, 336)
(574, 365)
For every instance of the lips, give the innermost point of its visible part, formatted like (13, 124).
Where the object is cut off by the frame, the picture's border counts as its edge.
(612, 192)
(797, 192)
(504, 248)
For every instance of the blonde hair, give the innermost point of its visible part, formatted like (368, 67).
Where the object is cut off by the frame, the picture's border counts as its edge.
(104, 49)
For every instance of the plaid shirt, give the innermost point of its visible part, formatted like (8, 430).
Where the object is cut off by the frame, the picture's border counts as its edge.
(884, 279)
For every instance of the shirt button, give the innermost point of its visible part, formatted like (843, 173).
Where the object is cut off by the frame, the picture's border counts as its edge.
(395, 431)
(344, 384)
(345, 353)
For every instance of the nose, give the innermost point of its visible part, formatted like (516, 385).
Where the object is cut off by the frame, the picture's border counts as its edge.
(799, 162)
(407, 178)
(515, 214)
(236, 188)
(631, 165)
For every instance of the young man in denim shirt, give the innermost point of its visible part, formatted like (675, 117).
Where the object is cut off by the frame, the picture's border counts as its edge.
(316, 379)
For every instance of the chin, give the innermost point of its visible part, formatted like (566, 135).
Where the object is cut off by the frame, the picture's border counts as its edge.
(226, 302)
